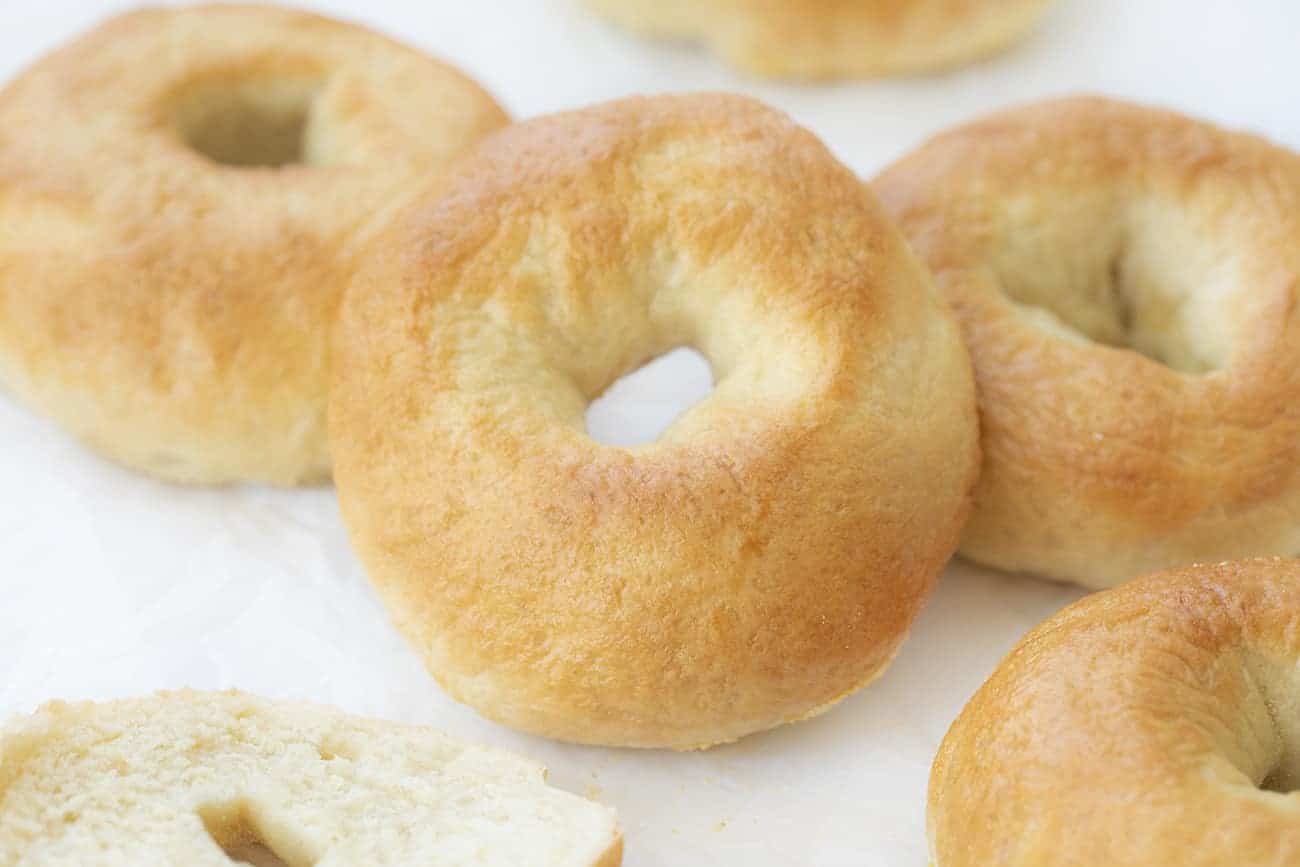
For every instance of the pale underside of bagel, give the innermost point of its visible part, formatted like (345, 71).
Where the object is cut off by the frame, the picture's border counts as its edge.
(199, 779)
(828, 39)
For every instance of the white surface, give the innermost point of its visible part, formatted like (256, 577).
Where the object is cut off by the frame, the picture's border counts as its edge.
(114, 585)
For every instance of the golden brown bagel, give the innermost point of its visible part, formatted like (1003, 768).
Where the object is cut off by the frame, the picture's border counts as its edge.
(180, 193)
(827, 39)
(766, 555)
(1127, 281)
(1153, 724)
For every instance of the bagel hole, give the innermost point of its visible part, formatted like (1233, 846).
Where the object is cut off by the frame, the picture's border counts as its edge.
(1283, 777)
(1279, 780)
(232, 829)
(638, 407)
(1146, 284)
(1268, 740)
(249, 124)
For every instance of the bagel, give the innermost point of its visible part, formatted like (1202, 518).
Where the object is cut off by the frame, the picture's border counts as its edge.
(1126, 279)
(766, 555)
(1155, 723)
(217, 778)
(829, 39)
(181, 193)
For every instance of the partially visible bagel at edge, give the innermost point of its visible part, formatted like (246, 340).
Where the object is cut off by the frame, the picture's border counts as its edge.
(1157, 723)
(207, 779)
(182, 192)
(830, 39)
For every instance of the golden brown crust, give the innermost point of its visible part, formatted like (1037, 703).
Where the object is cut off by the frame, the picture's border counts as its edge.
(827, 39)
(173, 311)
(1136, 227)
(1135, 728)
(760, 560)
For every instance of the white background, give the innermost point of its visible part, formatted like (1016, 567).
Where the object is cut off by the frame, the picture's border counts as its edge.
(112, 585)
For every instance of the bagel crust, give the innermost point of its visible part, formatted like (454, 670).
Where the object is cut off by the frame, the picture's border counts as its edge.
(1127, 281)
(766, 555)
(1156, 723)
(181, 192)
(830, 39)
(196, 779)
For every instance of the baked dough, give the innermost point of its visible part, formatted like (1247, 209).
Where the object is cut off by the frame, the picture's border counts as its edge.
(766, 555)
(181, 195)
(828, 39)
(205, 779)
(1156, 723)
(1127, 282)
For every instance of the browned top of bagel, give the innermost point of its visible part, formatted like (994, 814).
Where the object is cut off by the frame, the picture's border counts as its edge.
(827, 39)
(761, 559)
(180, 191)
(1127, 282)
(1156, 723)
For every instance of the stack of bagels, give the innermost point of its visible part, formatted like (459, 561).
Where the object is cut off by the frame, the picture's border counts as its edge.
(1063, 340)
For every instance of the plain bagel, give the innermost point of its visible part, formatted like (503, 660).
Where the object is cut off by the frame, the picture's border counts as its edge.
(213, 779)
(827, 39)
(1154, 724)
(181, 192)
(1128, 282)
(766, 555)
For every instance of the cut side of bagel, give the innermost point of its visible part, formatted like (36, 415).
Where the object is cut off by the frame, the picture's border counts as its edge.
(211, 779)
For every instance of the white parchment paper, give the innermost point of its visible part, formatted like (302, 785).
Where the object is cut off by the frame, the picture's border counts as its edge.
(114, 585)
